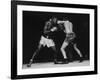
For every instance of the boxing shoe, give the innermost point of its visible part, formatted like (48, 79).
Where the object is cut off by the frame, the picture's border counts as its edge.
(56, 62)
(65, 61)
(29, 65)
(80, 59)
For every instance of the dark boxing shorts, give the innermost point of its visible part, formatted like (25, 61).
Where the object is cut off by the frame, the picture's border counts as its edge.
(70, 37)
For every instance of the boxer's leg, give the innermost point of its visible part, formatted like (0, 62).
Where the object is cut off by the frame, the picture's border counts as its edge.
(79, 52)
(64, 45)
(36, 52)
(42, 43)
(55, 54)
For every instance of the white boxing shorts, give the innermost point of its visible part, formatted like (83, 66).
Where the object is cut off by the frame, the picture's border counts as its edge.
(46, 42)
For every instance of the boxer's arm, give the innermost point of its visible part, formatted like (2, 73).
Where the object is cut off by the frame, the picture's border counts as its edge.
(46, 30)
(71, 27)
(60, 22)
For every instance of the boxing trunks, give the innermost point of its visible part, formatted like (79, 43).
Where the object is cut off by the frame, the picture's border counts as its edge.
(46, 42)
(70, 37)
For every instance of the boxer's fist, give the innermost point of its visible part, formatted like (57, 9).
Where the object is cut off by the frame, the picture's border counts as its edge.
(53, 29)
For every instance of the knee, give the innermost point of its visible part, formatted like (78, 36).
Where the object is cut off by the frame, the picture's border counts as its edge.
(74, 44)
(62, 48)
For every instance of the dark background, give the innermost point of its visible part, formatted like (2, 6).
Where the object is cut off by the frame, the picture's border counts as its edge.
(33, 24)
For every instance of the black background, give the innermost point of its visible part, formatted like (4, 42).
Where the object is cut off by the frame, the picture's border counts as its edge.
(33, 24)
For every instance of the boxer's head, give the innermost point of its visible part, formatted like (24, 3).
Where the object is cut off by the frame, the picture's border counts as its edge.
(65, 18)
(54, 19)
